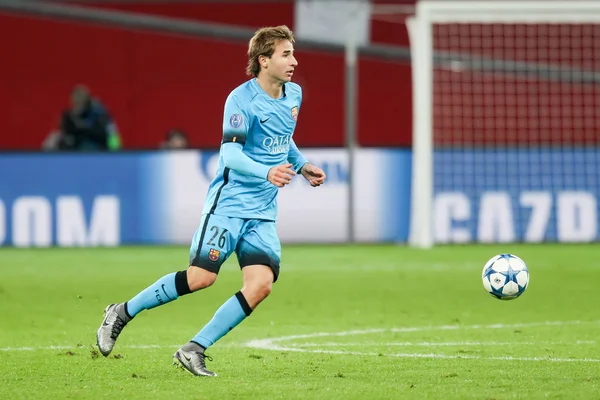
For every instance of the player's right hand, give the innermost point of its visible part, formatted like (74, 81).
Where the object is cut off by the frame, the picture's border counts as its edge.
(281, 175)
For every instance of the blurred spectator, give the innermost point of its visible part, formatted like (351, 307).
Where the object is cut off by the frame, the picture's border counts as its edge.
(175, 140)
(87, 125)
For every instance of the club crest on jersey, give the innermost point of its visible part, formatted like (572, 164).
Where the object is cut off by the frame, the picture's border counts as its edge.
(236, 120)
(295, 113)
(213, 255)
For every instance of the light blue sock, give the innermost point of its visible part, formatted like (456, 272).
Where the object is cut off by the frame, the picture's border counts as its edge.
(227, 317)
(160, 292)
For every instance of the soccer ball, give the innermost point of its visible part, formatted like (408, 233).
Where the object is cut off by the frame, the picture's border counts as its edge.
(505, 276)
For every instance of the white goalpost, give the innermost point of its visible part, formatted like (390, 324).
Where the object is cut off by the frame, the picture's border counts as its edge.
(506, 134)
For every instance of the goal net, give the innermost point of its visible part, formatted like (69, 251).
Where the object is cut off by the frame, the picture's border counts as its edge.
(506, 142)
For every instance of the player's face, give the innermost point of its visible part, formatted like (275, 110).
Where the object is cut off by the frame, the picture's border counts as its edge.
(282, 63)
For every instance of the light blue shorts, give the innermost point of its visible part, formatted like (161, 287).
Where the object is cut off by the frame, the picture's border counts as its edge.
(254, 241)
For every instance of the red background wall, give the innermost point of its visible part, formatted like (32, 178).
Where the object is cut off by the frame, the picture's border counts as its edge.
(153, 82)
(385, 28)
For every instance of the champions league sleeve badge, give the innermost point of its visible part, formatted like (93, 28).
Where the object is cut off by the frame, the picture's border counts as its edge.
(236, 121)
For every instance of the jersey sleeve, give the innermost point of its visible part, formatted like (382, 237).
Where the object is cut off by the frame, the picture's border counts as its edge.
(235, 159)
(295, 157)
(236, 121)
(235, 129)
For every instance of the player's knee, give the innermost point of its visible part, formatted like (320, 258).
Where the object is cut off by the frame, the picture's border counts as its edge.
(264, 289)
(199, 278)
(260, 286)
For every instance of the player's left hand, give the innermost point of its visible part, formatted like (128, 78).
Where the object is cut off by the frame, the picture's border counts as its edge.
(314, 175)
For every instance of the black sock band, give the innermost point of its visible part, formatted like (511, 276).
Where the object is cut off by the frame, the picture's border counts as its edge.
(243, 303)
(127, 312)
(181, 283)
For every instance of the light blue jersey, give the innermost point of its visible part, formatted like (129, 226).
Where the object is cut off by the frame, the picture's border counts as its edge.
(262, 127)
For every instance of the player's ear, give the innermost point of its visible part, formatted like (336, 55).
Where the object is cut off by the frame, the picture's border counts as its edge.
(262, 60)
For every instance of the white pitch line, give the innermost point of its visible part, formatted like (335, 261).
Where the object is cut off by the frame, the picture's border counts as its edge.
(75, 347)
(440, 344)
(37, 348)
(434, 355)
(258, 342)
(271, 343)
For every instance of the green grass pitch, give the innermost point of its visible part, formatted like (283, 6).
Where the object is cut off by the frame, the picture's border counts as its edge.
(343, 322)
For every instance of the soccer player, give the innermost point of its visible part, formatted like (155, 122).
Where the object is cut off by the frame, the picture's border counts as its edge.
(257, 157)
